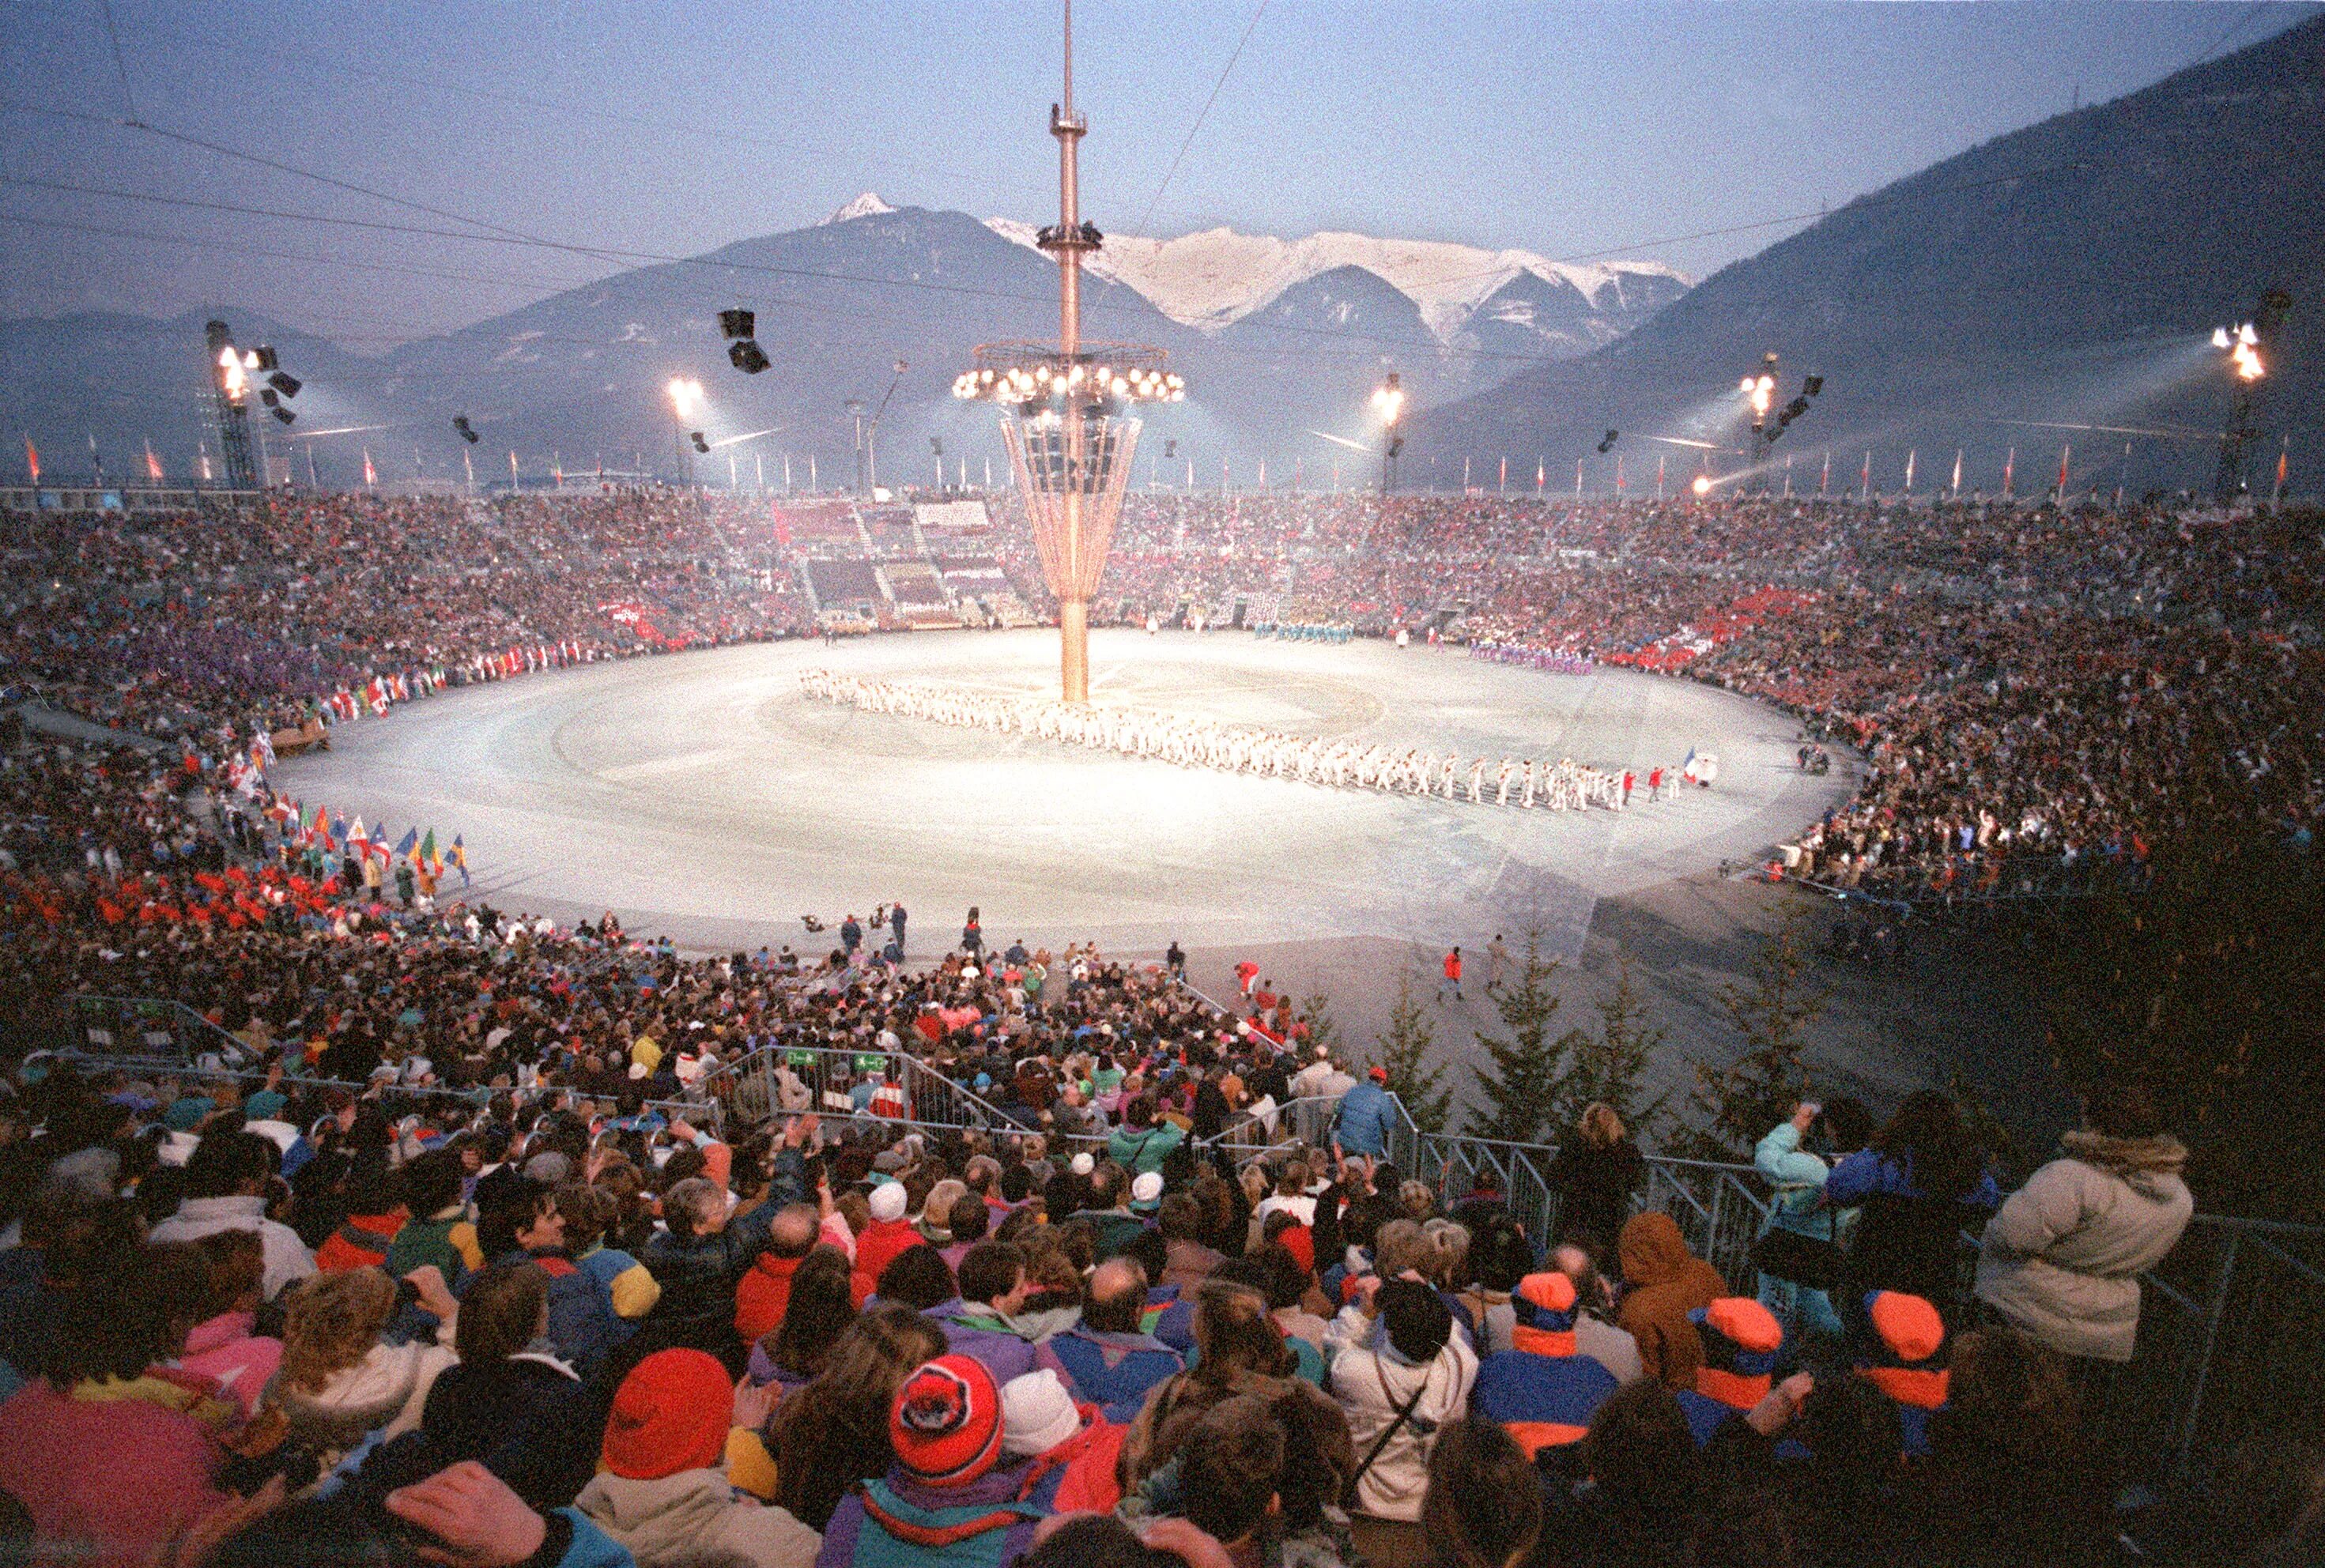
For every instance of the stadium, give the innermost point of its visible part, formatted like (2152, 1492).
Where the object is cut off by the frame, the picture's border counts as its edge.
(1077, 1005)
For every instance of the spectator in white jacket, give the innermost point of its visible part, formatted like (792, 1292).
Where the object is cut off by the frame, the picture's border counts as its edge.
(226, 1178)
(1401, 1371)
(2061, 1260)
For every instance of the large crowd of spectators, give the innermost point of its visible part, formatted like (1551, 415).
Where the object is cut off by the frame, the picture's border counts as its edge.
(500, 1300)
(455, 1232)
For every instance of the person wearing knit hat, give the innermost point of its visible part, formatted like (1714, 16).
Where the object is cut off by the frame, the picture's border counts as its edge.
(662, 1492)
(1901, 1353)
(886, 1239)
(1073, 1446)
(1146, 1192)
(1083, 1163)
(947, 1502)
(1740, 1339)
(1542, 1388)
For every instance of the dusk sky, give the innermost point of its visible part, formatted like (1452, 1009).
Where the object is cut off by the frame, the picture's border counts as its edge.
(1569, 129)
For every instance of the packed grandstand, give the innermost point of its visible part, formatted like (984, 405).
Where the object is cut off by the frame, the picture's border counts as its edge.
(465, 1222)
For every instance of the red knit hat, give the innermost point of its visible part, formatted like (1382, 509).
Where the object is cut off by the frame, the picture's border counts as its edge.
(946, 1423)
(671, 1414)
(1908, 1326)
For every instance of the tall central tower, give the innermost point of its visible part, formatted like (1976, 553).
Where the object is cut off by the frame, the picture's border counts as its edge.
(1064, 412)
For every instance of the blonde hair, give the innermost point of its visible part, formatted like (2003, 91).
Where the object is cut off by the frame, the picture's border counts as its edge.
(1601, 1128)
(332, 1322)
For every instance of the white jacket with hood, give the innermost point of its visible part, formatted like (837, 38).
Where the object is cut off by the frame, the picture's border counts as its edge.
(2061, 1260)
(695, 1513)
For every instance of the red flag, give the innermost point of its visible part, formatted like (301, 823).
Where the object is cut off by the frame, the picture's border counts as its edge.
(152, 463)
(32, 457)
(370, 477)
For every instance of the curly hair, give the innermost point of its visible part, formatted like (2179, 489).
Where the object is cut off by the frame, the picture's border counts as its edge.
(331, 1323)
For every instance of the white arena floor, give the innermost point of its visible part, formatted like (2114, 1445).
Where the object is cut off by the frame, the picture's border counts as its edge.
(702, 796)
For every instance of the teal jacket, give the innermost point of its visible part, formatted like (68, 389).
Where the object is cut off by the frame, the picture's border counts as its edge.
(1140, 1152)
(1797, 1178)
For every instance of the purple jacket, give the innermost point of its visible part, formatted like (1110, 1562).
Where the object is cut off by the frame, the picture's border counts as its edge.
(975, 1333)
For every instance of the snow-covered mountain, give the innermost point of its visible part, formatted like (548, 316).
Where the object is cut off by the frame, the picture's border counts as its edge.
(1211, 279)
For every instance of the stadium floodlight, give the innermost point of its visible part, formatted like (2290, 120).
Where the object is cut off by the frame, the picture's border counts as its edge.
(283, 382)
(738, 323)
(1702, 485)
(233, 380)
(2243, 345)
(685, 395)
(1388, 400)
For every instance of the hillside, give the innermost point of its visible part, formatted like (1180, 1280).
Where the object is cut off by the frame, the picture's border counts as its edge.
(2066, 274)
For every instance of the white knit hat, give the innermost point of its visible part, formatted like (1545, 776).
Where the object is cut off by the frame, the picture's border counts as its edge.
(888, 1202)
(1147, 1188)
(1037, 1414)
(1083, 1163)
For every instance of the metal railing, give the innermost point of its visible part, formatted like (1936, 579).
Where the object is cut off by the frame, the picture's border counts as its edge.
(151, 1029)
(774, 1079)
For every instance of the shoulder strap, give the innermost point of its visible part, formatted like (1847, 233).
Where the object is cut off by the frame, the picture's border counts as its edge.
(1403, 1414)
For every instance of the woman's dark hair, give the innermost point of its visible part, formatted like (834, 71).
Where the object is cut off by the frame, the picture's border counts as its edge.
(118, 1323)
(1097, 1541)
(1483, 1508)
(1641, 1456)
(2123, 1110)
(501, 1312)
(918, 1277)
(432, 1183)
(1928, 1136)
(1236, 1335)
(818, 1311)
(1846, 1124)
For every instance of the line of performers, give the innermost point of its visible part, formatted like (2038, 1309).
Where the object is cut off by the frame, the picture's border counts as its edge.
(1524, 783)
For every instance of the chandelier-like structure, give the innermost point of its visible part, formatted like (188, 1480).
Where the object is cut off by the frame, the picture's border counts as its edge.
(1065, 413)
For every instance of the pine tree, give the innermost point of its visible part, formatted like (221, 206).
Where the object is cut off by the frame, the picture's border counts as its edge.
(1314, 1012)
(1610, 1065)
(1409, 1050)
(1521, 1092)
(1735, 1105)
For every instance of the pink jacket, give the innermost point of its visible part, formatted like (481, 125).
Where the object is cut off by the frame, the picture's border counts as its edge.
(241, 1362)
(107, 1480)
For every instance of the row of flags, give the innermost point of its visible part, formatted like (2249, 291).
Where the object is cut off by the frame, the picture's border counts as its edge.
(317, 827)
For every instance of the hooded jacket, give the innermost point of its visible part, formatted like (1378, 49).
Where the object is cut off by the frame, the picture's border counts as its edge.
(764, 1295)
(1667, 1282)
(1115, 1370)
(2061, 1260)
(695, 1513)
(388, 1389)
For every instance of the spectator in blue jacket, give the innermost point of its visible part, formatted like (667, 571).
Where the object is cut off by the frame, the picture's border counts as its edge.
(1366, 1119)
(1920, 1184)
(1112, 1362)
(518, 1220)
(1542, 1388)
(1741, 1340)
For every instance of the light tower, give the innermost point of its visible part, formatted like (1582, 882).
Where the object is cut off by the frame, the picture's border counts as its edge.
(1063, 412)
(2244, 345)
(231, 405)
